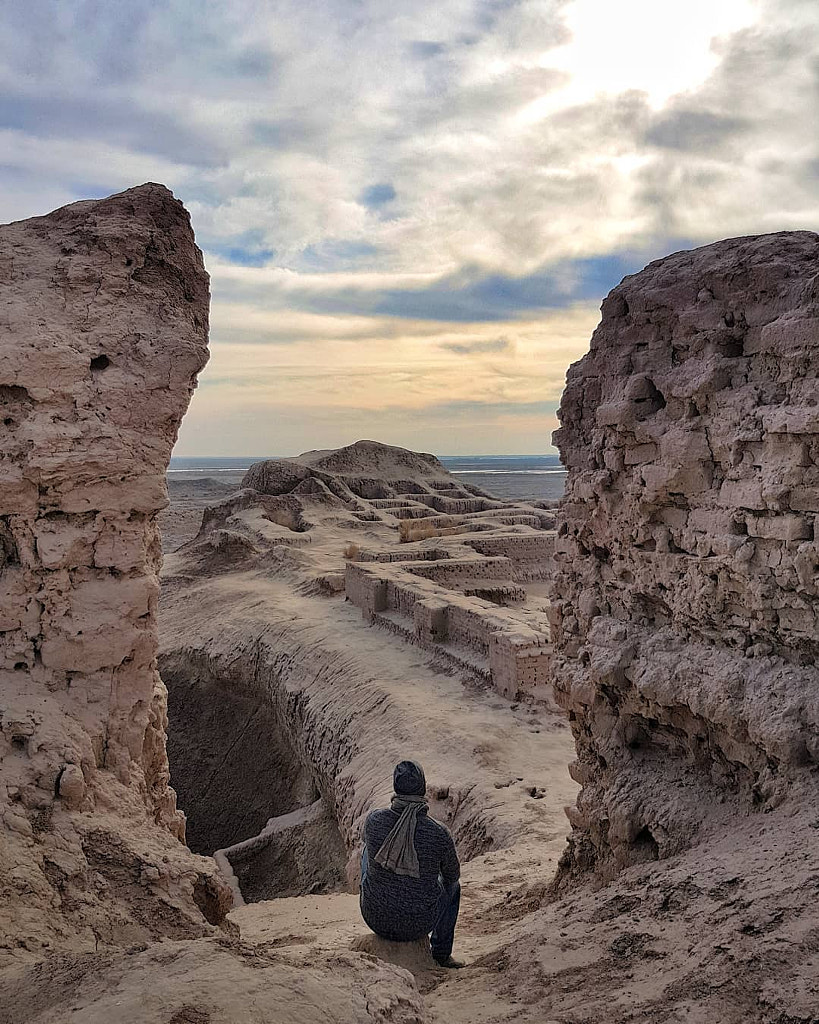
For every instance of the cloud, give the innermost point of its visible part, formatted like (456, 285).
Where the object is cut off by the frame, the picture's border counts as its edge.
(506, 135)
(466, 296)
(469, 348)
(693, 130)
(114, 119)
(385, 190)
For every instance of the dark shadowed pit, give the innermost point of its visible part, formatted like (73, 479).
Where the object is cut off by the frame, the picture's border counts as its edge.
(237, 773)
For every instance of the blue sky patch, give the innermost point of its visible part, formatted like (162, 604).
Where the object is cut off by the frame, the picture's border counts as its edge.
(375, 196)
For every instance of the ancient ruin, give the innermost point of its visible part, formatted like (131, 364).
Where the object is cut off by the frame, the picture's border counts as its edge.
(467, 584)
(686, 607)
(103, 330)
(342, 610)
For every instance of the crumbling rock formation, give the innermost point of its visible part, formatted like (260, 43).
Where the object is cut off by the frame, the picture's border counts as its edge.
(365, 469)
(686, 601)
(103, 328)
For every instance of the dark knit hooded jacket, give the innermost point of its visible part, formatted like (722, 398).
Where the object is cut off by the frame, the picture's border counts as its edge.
(398, 907)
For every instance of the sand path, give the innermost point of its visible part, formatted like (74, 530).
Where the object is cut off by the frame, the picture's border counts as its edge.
(511, 759)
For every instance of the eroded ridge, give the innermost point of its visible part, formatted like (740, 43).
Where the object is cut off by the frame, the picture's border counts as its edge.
(685, 600)
(103, 330)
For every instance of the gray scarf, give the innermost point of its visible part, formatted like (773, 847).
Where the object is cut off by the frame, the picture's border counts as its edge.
(397, 853)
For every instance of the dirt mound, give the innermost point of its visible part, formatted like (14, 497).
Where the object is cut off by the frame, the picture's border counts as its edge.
(366, 469)
(371, 458)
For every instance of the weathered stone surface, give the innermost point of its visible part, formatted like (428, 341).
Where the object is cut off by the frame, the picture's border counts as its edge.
(103, 328)
(209, 982)
(686, 600)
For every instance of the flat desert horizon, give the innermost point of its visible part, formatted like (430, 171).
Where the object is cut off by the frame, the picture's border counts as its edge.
(511, 477)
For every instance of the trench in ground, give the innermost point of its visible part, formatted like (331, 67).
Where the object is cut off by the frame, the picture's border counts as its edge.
(234, 766)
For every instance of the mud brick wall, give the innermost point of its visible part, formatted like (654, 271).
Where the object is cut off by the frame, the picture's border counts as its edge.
(459, 505)
(103, 329)
(686, 596)
(367, 589)
(441, 615)
(431, 554)
(431, 618)
(519, 663)
(531, 554)
(452, 572)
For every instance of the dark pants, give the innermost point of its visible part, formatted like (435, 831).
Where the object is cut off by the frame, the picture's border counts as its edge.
(446, 914)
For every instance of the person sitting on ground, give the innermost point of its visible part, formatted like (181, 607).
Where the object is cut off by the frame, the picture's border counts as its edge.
(410, 870)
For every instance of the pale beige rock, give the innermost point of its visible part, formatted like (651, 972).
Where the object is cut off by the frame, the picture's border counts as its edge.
(686, 600)
(103, 328)
(212, 982)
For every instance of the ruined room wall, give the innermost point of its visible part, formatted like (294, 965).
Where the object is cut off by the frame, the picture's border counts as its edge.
(685, 599)
(103, 328)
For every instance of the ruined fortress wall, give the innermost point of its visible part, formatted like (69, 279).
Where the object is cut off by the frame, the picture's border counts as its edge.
(454, 572)
(103, 328)
(518, 656)
(531, 554)
(685, 601)
(519, 547)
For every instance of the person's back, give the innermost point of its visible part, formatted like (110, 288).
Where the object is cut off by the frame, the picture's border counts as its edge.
(410, 870)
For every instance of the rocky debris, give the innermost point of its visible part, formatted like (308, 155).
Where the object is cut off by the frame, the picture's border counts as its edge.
(103, 330)
(722, 933)
(685, 601)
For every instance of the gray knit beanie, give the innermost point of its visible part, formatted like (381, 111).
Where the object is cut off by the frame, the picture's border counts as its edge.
(408, 779)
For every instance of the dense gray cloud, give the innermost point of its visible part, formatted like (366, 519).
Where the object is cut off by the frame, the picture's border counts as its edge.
(694, 131)
(310, 131)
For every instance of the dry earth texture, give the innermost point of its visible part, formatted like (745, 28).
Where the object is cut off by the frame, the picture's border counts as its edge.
(348, 608)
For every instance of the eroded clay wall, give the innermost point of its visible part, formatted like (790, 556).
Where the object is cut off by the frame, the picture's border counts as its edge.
(685, 599)
(103, 329)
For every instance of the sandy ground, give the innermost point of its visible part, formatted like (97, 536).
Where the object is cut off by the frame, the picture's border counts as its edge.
(725, 933)
(190, 494)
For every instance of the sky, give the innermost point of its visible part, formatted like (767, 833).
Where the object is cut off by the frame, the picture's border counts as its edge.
(411, 212)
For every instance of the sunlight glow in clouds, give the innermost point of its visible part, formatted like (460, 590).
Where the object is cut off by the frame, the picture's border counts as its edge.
(657, 48)
(412, 212)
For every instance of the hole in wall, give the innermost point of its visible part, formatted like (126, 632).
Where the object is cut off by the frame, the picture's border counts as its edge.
(290, 519)
(101, 362)
(206, 897)
(645, 845)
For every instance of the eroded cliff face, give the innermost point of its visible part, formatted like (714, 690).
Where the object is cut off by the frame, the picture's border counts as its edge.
(103, 328)
(686, 601)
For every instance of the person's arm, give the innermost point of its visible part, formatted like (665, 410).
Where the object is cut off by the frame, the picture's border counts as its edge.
(365, 832)
(450, 865)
